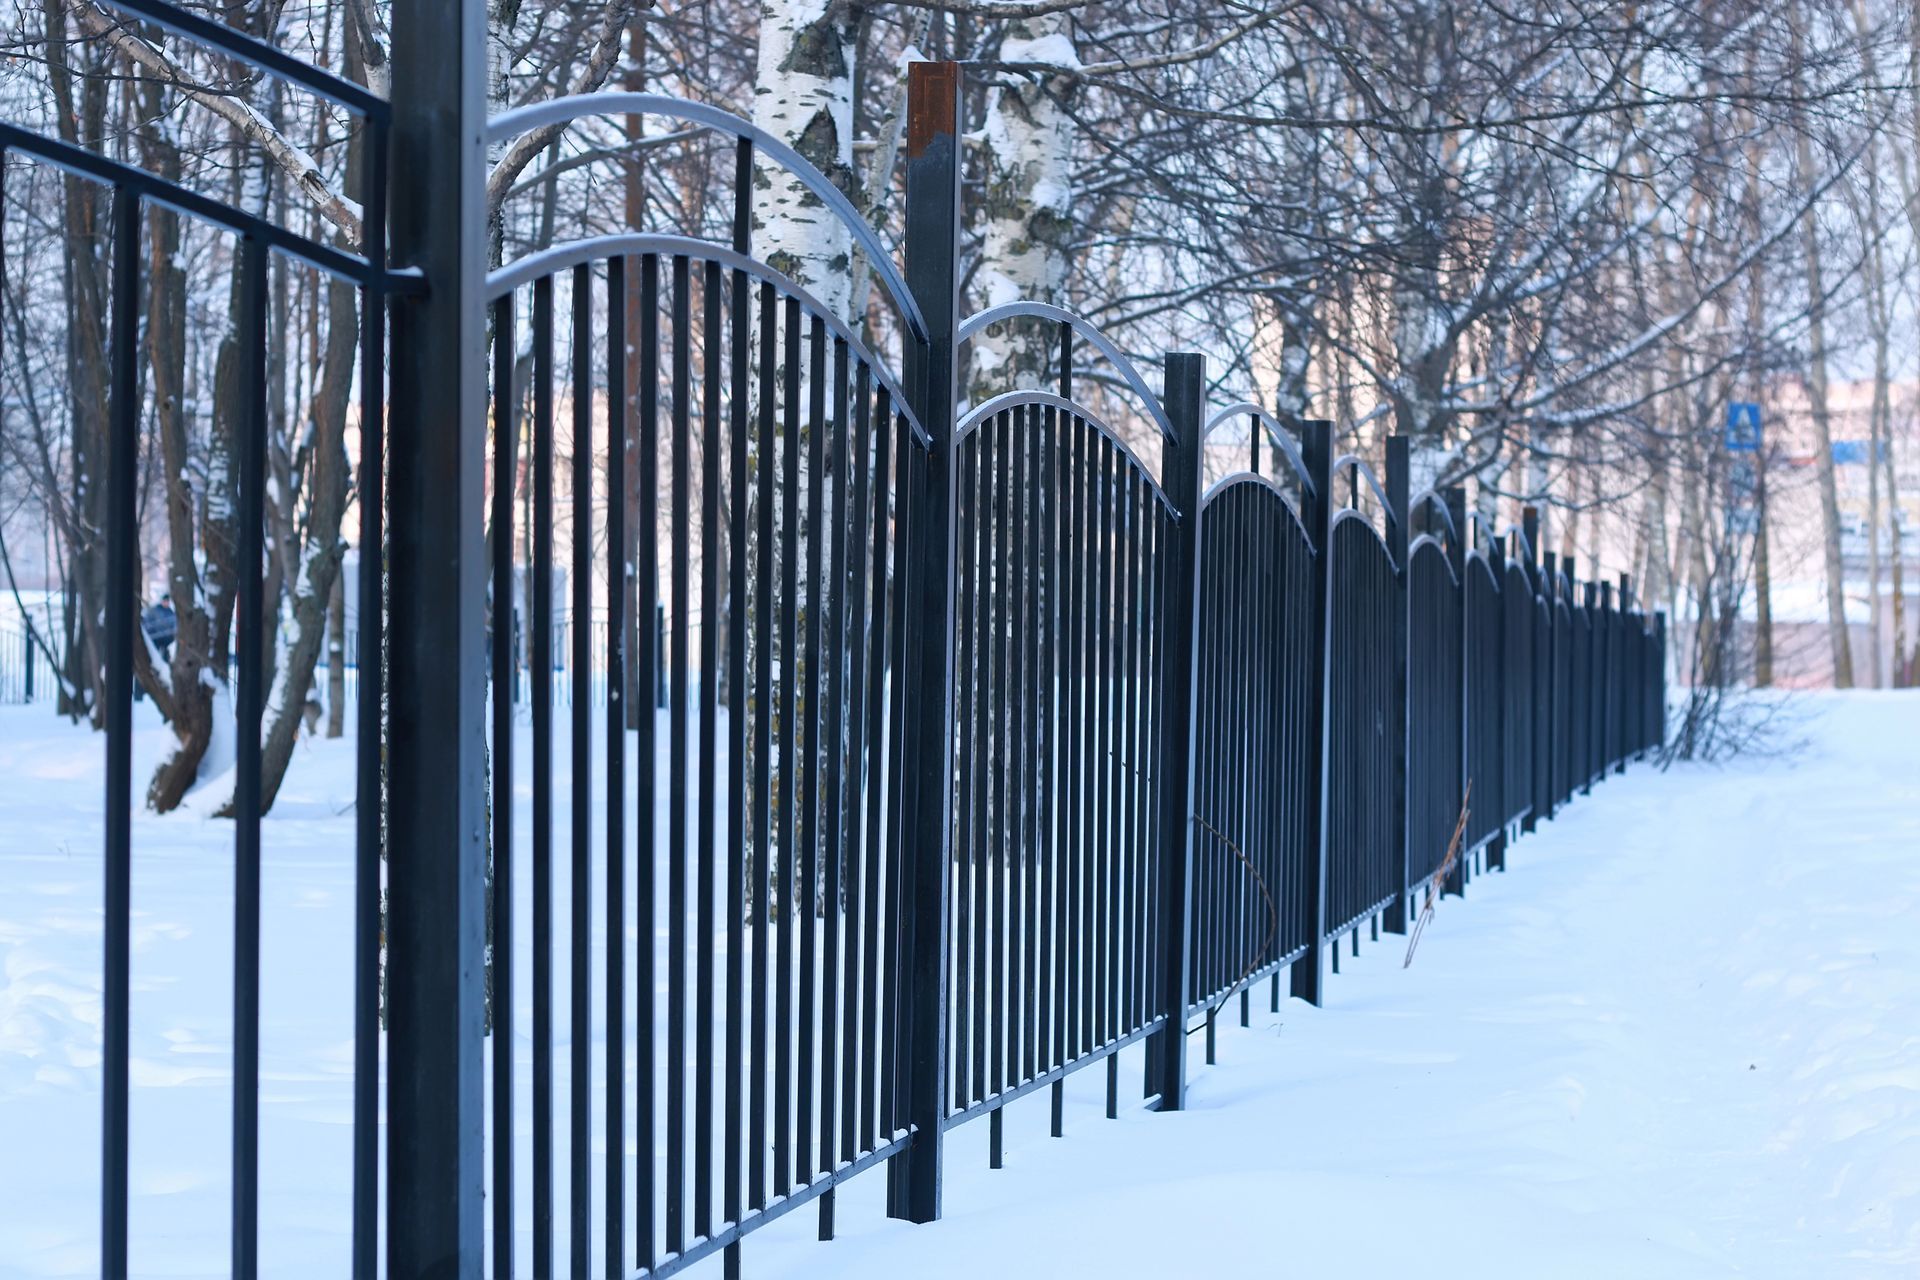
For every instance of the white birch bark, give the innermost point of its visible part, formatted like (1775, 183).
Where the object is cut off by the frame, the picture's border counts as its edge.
(1026, 205)
(804, 97)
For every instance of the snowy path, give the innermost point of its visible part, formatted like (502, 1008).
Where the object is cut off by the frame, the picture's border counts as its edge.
(1680, 1038)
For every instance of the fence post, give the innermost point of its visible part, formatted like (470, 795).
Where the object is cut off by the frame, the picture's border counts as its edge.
(26, 652)
(1623, 663)
(1590, 599)
(437, 581)
(1398, 535)
(1316, 450)
(1657, 731)
(1541, 707)
(1456, 500)
(932, 254)
(1497, 846)
(1185, 401)
(1550, 573)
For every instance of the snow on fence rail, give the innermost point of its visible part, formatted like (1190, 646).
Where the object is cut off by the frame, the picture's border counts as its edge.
(987, 749)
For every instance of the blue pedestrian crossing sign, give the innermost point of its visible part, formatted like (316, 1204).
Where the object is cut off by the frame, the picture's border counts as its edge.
(1743, 427)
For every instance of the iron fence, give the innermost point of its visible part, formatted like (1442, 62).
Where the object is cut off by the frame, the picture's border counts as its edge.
(1029, 750)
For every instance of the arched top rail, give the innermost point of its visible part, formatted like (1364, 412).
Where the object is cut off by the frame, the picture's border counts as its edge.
(1239, 478)
(979, 320)
(158, 191)
(573, 253)
(1431, 499)
(1275, 432)
(1047, 400)
(1429, 540)
(1350, 516)
(1365, 472)
(257, 53)
(565, 110)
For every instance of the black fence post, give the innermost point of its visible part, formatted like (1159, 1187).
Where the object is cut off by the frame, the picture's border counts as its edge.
(1399, 535)
(1595, 664)
(1456, 500)
(1603, 681)
(1497, 845)
(438, 566)
(1540, 697)
(1316, 450)
(932, 254)
(1657, 731)
(1185, 401)
(1550, 588)
(26, 654)
(1624, 669)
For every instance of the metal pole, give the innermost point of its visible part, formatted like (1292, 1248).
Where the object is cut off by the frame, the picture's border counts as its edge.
(437, 588)
(1399, 479)
(1186, 391)
(1456, 499)
(1537, 706)
(1316, 450)
(1497, 846)
(932, 253)
(1623, 696)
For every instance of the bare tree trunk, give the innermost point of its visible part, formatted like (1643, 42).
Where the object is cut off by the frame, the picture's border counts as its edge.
(337, 658)
(1817, 395)
(190, 697)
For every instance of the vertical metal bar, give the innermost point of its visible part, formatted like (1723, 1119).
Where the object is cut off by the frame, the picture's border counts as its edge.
(712, 450)
(763, 580)
(677, 710)
(879, 891)
(1030, 789)
(1399, 515)
(1186, 385)
(836, 800)
(1316, 448)
(646, 591)
(1016, 751)
(436, 922)
(966, 870)
(999, 883)
(805, 899)
(580, 769)
(123, 445)
(859, 994)
(505, 424)
(1456, 500)
(739, 351)
(367, 734)
(790, 518)
(932, 250)
(250, 627)
(618, 573)
(541, 621)
(1052, 1007)
(976, 577)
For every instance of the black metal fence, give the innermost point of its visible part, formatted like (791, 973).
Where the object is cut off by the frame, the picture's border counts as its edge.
(987, 748)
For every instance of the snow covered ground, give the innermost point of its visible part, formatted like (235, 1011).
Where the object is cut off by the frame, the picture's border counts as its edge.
(1681, 1037)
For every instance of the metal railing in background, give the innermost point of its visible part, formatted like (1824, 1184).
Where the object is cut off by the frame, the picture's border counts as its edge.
(25, 674)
